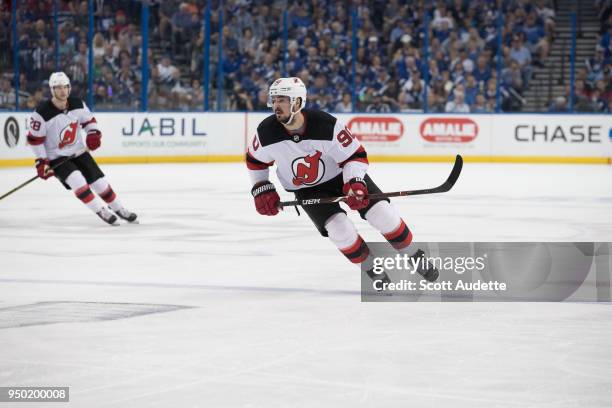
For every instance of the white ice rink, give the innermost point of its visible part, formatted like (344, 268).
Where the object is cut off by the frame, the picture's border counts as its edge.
(208, 304)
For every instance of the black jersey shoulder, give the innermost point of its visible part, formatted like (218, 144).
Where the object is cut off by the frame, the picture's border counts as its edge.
(270, 131)
(319, 125)
(48, 110)
(75, 103)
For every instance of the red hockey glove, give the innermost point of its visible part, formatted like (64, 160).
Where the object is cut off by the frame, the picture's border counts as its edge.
(266, 198)
(43, 168)
(357, 193)
(93, 139)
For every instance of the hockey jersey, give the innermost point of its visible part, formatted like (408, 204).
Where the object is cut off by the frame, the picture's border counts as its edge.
(321, 151)
(53, 133)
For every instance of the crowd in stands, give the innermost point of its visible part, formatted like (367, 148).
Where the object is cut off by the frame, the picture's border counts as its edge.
(593, 87)
(593, 82)
(464, 68)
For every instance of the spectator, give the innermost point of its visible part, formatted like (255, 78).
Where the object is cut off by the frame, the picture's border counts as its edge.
(345, 105)
(98, 45)
(512, 77)
(34, 100)
(261, 103)
(102, 98)
(471, 90)
(413, 93)
(121, 23)
(546, 13)
(490, 92)
(437, 103)
(559, 105)
(519, 52)
(247, 44)
(390, 93)
(185, 25)
(457, 105)
(110, 57)
(167, 9)
(105, 17)
(480, 105)
(167, 73)
(595, 65)
(536, 39)
(239, 100)
(126, 82)
(40, 31)
(7, 94)
(196, 95)
(378, 106)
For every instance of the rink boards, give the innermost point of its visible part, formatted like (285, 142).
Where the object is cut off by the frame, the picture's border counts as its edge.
(148, 137)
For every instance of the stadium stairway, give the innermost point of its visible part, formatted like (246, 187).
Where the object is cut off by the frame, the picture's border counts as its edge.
(550, 81)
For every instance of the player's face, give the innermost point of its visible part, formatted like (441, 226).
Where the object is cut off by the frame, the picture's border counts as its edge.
(61, 92)
(281, 105)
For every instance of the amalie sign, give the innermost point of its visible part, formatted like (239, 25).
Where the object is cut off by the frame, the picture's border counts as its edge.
(376, 129)
(449, 130)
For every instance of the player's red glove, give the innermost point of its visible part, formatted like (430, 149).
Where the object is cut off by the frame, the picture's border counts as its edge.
(266, 198)
(43, 168)
(357, 193)
(93, 140)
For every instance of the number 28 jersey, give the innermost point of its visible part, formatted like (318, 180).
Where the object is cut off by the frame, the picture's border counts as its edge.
(321, 151)
(54, 133)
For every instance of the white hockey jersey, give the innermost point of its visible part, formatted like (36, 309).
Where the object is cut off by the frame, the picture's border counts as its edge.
(324, 149)
(54, 133)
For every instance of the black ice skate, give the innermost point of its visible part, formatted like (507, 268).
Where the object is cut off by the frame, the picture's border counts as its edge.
(107, 216)
(425, 269)
(126, 215)
(378, 277)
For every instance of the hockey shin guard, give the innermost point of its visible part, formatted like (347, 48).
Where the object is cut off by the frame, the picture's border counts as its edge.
(81, 189)
(105, 191)
(385, 219)
(343, 234)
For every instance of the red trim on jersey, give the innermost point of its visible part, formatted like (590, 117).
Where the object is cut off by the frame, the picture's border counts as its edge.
(92, 120)
(254, 164)
(35, 140)
(360, 155)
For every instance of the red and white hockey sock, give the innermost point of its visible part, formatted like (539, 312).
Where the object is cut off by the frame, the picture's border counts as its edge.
(343, 234)
(105, 191)
(81, 189)
(385, 219)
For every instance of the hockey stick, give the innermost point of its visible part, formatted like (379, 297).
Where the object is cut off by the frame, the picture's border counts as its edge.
(22, 185)
(442, 188)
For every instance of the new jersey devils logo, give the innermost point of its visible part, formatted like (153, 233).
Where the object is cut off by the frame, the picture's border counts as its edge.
(68, 135)
(308, 170)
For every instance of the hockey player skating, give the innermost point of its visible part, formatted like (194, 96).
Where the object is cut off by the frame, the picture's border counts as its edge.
(55, 135)
(317, 156)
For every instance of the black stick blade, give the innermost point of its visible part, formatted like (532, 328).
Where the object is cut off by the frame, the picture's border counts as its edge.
(453, 176)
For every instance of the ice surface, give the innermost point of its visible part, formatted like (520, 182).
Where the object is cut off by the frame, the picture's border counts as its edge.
(272, 314)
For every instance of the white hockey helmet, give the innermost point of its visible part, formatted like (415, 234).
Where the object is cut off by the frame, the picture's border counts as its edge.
(292, 87)
(58, 79)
